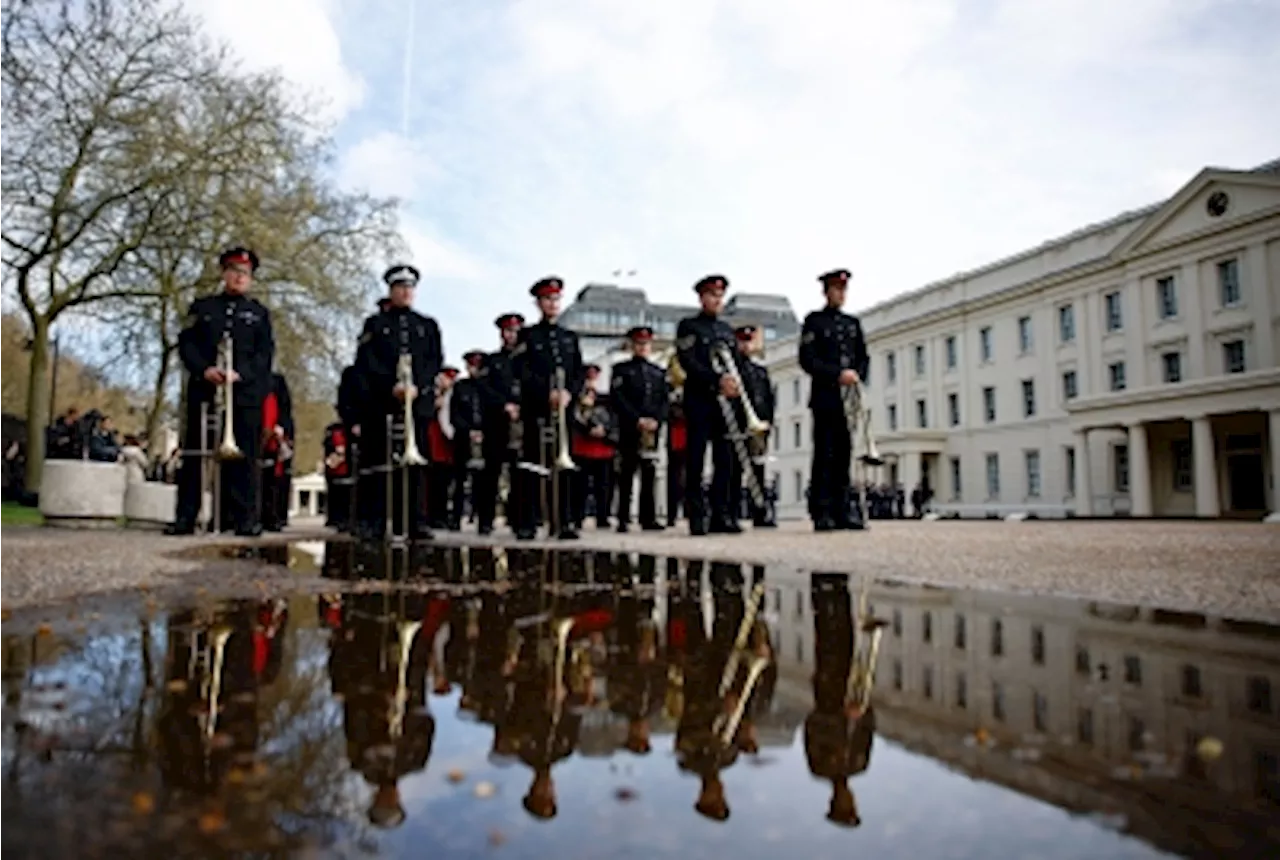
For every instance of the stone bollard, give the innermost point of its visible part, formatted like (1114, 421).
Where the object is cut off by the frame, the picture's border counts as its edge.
(150, 504)
(82, 494)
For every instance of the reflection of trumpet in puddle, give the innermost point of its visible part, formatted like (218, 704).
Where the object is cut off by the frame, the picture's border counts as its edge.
(726, 730)
(212, 686)
(563, 628)
(407, 630)
(740, 643)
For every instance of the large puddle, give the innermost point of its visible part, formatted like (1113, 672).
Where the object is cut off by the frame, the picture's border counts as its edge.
(531, 704)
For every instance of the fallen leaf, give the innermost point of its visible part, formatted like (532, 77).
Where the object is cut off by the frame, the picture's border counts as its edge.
(497, 837)
(484, 790)
(44, 630)
(625, 795)
(1209, 749)
(177, 685)
(211, 822)
(455, 776)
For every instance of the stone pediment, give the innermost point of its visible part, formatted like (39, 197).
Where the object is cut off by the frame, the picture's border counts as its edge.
(1213, 201)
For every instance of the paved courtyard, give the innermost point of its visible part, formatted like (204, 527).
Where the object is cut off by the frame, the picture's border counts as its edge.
(1219, 567)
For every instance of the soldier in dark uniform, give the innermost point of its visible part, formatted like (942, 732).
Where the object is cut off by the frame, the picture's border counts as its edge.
(277, 454)
(638, 389)
(837, 735)
(595, 445)
(698, 339)
(231, 313)
(834, 353)
(338, 478)
(501, 400)
(541, 350)
(466, 411)
(677, 453)
(755, 377)
(388, 335)
(638, 676)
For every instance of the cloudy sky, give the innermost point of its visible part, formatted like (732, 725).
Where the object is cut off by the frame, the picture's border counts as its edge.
(905, 140)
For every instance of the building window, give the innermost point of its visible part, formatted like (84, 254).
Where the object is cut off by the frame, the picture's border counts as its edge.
(962, 691)
(1133, 670)
(1259, 694)
(1167, 297)
(1266, 775)
(1229, 283)
(795, 391)
(1028, 398)
(955, 479)
(1040, 711)
(1137, 734)
(989, 404)
(1233, 356)
(919, 359)
(1025, 339)
(1182, 465)
(1115, 372)
(984, 343)
(777, 441)
(1037, 645)
(1070, 454)
(1120, 467)
(891, 367)
(1033, 473)
(952, 357)
(1084, 666)
(961, 637)
(897, 623)
(897, 675)
(1191, 688)
(893, 416)
(1084, 726)
(997, 637)
(927, 681)
(993, 476)
(1114, 311)
(799, 479)
(1067, 324)
(797, 436)
(953, 409)
(1069, 385)
(997, 701)
(926, 630)
(1172, 362)
(922, 414)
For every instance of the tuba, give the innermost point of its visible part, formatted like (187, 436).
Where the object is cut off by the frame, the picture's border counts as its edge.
(404, 376)
(228, 450)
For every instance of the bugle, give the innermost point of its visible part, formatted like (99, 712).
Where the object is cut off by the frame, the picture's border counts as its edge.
(211, 687)
(228, 449)
(404, 376)
(406, 631)
(564, 460)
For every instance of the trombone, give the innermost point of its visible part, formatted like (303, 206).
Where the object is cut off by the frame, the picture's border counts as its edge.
(211, 684)
(223, 418)
(406, 631)
(862, 668)
(723, 363)
(858, 418)
(410, 456)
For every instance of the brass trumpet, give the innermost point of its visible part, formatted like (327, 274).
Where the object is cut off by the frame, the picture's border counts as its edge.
(726, 729)
(740, 642)
(211, 685)
(407, 630)
(862, 669)
(564, 460)
(404, 376)
(228, 450)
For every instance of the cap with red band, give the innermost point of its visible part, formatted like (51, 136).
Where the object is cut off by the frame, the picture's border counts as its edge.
(239, 256)
(547, 287)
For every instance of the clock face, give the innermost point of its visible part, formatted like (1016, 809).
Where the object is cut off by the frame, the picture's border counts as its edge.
(1217, 203)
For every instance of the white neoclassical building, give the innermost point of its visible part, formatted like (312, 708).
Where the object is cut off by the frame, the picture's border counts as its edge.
(1129, 368)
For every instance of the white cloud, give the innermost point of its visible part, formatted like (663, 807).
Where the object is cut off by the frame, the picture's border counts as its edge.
(387, 164)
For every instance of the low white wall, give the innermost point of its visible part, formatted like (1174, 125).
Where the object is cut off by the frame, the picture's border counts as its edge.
(82, 494)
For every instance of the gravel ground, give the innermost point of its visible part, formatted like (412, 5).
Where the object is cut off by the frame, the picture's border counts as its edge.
(1223, 568)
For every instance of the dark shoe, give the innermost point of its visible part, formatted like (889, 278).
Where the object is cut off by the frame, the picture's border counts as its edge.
(623, 527)
(180, 528)
(824, 525)
(725, 527)
(568, 534)
(525, 534)
(653, 527)
(251, 530)
(603, 522)
(765, 522)
(485, 530)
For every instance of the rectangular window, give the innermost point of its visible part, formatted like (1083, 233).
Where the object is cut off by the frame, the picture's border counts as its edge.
(1037, 645)
(952, 356)
(897, 622)
(1025, 339)
(795, 391)
(893, 416)
(993, 476)
(1114, 311)
(798, 477)
(1120, 467)
(919, 359)
(922, 414)
(955, 479)
(1115, 373)
(797, 434)
(1229, 283)
(926, 629)
(1040, 712)
(1166, 297)
(1191, 687)
(997, 701)
(1084, 666)
(1182, 464)
(1259, 694)
(1067, 324)
(997, 637)
(984, 343)
(1172, 364)
(897, 675)
(1137, 734)
(1028, 398)
(953, 409)
(1069, 385)
(1233, 356)
(961, 637)
(1084, 726)
(989, 404)
(891, 367)
(926, 681)
(1070, 454)
(1133, 670)
(962, 691)
(1032, 459)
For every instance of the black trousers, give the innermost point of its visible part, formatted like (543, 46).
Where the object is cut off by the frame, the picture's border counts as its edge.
(239, 483)
(707, 427)
(461, 474)
(629, 463)
(374, 472)
(529, 486)
(274, 495)
(829, 477)
(484, 493)
(338, 513)
(440, 482)
(594, 480)
(675, 483)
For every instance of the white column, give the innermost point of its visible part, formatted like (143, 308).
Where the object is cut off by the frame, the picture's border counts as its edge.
(910, 471)
(1205, 459)
(1274, 420)
(1084, 475)
(313, 506)
(1139, 471)
(1196, 305)
(1259, 293)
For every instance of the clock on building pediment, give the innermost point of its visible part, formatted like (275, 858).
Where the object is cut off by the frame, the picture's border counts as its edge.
(1217, 204)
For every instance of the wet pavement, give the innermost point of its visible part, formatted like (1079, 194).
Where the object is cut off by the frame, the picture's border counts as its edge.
(358, 701)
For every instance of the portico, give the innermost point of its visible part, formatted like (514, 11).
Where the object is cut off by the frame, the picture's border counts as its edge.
(1207, 448)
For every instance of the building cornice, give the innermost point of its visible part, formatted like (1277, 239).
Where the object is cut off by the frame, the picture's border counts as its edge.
(1253, 382)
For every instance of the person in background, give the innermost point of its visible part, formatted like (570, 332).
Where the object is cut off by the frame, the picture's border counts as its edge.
(134, 459)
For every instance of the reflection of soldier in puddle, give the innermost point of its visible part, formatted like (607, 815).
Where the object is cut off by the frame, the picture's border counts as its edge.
(638, 675)
(711, 730)
(208, 723)
(839, 732)
(379, 666)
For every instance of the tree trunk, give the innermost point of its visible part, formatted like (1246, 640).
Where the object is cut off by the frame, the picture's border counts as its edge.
(155, 412)
(37, 401)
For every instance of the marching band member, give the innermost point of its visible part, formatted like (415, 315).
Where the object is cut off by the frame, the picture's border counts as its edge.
(755, 377)
(501, 398)
(277, 454)
(698, 338)
(833, 352)
(677, 443)
(640, 397)
(391, 333)
(595, 443)
(466, 410)
(543, 349)
(247, 322)
(440, 443)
